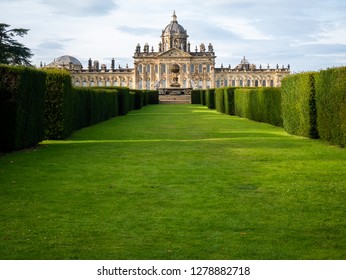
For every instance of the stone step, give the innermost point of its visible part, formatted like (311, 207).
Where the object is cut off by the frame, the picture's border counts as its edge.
(175, 99)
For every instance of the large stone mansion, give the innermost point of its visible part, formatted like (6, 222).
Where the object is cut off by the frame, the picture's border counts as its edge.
(174, 66)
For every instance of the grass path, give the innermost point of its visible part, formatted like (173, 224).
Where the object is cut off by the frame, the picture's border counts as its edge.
(174, 182)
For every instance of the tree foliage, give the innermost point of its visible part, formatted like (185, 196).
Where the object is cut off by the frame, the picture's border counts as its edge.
(11, 51)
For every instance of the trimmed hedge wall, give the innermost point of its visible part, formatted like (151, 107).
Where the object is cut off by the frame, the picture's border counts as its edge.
(22, 92)
(91, 106)
(210, 98)
(299, 105)
(58, 112)
(219, 100)
(331, 105)
(195, 96)
(229, 100)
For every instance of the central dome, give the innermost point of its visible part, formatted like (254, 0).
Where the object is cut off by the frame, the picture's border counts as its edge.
(174, 27)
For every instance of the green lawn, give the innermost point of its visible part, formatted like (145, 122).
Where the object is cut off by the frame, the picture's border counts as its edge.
(174, 182)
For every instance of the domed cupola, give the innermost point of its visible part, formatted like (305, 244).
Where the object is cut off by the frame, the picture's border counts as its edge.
(67, 62)
(174, 36)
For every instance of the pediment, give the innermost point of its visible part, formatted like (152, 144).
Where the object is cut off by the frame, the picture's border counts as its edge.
(174, 52)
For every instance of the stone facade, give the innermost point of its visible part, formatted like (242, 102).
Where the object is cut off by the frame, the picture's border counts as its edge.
(174, 67)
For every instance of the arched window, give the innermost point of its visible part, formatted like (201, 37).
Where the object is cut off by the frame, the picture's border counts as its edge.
(208, 68)
(164, 83)
(248, 83)
(140, 84)
(184, 68)
(148, 84)
(271, 83)
(131, 84)
(208, 84)
(192, 68)
(115, 83)
(241, 83)
(184, 83)
(156, 68)
(264, 83)
(256, 83)
(225, 84)
(148, 68)
(218, 83)
(233, 83)
(163, 68)
(200, 84)
(200, 68)
(123, 83)
(140, 68)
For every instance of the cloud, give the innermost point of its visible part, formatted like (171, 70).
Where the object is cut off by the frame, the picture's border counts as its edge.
(81, 8)
(138, 31)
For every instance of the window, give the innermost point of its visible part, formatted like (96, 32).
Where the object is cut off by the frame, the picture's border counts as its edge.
(163, 68)
(140, 84)
(264, 83)
(248, 83)
(192, 68)
(115, 83)
(233, 83)
(271, 83)
(200, 84)
(156, 68)
(256, 83)
(241, 83)
(225, 84)
(140, 68)
(184, 68)
(148, 68)
(184, 83)
(208, 68)
(208, 84)
(148, 84)
(200, 68)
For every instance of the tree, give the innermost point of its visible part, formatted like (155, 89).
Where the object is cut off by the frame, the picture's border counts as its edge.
(11, 51)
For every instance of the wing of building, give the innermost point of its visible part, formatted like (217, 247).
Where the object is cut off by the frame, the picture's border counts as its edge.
(173, 67)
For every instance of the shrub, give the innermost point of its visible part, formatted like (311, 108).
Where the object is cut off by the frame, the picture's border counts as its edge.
(59, 104)
(93, 105)
(210, 98)
(219, 100)
(153, 97)
(22, 91)
(259, 104)
(298, 105)
(242, 102)
(195, 96)
(331, 105)
(229, 100)
(203, 94)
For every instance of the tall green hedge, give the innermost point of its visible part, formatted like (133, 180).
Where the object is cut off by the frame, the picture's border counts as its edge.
(220, 100)
(259, 104)
(229, 100)
(195, 96)
(58, 104)
(22, 92)
(331, 105)
(91, 106)
(299, 105)
(210, 98)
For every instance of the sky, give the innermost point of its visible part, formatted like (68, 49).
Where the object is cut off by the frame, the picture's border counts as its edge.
(308, 35)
